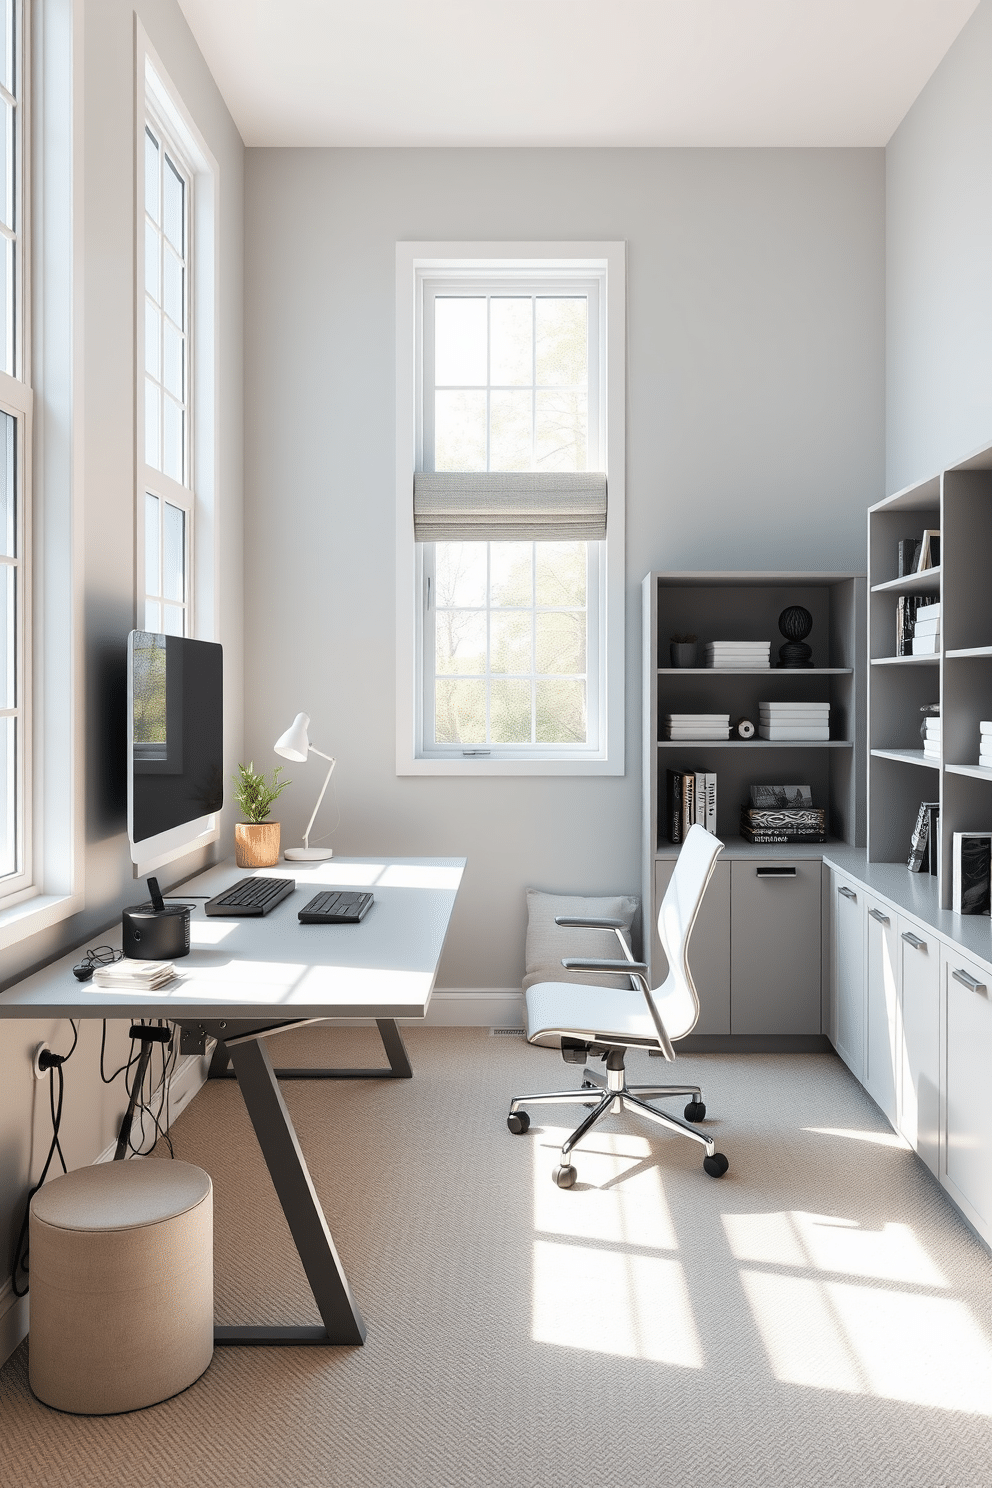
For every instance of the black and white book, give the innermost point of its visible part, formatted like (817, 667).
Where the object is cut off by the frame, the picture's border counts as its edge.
(971, 873)
(908, 556)
(918, 860)
(775, 797)
(675, 823)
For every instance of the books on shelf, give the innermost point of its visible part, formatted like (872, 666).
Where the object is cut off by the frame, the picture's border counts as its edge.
(924, 850)
(690, 800)
(697, 725)
(928, 645)
(908, 555)
(738, 655)
(929, 610)
(929, 550)
(779, 721)
(931, 741)
(909, 609)
(781, 797)
(971, 873)
(786, 824)
(985, 745)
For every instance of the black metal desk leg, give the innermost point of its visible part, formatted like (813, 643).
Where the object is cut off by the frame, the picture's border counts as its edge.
(398, 1068)
(297, 1195)
(392, 1042)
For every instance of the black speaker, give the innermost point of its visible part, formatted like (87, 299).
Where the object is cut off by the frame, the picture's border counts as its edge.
(156, 934)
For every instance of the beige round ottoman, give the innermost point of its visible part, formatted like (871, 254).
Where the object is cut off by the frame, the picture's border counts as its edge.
(122, 1285)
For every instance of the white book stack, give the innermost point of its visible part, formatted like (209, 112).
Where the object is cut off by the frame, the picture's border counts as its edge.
(931, 743)
(926, 631)
(985, 745)
(134, 976)
(800, 721)
(697, 725)
(738, 656)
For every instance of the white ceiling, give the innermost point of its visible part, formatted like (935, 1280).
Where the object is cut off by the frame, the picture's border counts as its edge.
(572, 72)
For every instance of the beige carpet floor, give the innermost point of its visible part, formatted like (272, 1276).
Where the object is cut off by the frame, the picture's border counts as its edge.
(818, 1316)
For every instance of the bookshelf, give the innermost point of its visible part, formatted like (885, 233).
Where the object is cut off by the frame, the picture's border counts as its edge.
(958, 501)
(746, 606)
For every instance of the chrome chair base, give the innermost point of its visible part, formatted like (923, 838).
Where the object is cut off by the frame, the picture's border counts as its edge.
(616, 1096)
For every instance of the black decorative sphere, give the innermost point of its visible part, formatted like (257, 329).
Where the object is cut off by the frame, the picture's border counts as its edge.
(795, 623)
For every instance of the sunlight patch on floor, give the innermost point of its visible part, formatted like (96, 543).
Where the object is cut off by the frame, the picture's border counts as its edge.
(610, 1302)
(879, 1139)
(828, 1243)
(625, 1201)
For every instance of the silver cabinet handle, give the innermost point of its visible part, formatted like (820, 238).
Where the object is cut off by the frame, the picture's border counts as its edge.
(775, 872)
(914, 941)
(848, 893)
(968, 981)
(876, 914)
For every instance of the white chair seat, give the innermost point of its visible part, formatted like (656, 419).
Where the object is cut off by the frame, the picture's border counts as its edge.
(588, 1013)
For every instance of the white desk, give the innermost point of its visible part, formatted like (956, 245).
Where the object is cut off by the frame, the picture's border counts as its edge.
(246, 979)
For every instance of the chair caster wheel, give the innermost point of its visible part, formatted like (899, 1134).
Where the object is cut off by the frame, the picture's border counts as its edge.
(565, 1177)
(695, 1111)
(518, 1122)
(716, 1165)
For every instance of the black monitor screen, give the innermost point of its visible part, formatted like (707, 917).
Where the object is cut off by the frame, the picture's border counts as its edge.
(177, 731)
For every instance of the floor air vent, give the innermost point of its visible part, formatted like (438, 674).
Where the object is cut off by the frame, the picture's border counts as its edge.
(506, 1032)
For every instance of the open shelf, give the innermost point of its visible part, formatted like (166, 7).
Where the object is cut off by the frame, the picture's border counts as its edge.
(910, 583)
(907, 757)
(755, 744)
(905, 660)
(975, 772)
(960, 655)
(757, 671)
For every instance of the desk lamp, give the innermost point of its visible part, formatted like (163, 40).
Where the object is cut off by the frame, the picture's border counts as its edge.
(295, 745)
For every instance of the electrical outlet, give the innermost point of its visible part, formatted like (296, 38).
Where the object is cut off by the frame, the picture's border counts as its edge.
(39, 1073)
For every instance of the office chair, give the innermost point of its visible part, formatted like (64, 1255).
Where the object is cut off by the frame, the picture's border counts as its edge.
(607, 1021)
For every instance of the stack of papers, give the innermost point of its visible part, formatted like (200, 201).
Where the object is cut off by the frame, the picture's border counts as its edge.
(931, 743)
(738, 655)
(794, 721)
(926, 630)
(697, 725)
(985, 747)
(134, 976)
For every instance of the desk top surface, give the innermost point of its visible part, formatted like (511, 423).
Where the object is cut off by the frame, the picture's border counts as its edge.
(273, 966)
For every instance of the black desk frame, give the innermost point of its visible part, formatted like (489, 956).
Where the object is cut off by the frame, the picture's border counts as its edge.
(242, 1044)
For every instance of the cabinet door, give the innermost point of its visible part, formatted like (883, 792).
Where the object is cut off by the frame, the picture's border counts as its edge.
(847, 913)
(709, 946)
(882, 1016)
(919, 1044)
(775, 946)
(968, 1092)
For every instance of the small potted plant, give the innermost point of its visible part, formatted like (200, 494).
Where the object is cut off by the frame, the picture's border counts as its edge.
(683, 649)
(256, 841)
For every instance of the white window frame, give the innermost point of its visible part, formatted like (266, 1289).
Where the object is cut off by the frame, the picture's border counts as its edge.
(159, 103)
(526, 264)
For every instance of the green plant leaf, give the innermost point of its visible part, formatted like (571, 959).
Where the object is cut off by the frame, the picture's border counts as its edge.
(254, 794)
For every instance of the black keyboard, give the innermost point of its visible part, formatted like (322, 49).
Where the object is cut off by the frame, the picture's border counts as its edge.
(250, 896)
(336, 907)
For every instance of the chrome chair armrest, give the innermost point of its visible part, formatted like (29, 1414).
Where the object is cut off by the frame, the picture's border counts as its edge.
(586, 963)
(590, 924)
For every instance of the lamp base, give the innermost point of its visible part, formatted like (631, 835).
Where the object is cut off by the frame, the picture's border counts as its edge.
(308, 854)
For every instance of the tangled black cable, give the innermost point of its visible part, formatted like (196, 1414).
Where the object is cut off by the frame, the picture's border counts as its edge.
(53, 1063)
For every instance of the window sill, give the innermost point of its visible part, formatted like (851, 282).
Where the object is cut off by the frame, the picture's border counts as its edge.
(35, 914)
(482, 766)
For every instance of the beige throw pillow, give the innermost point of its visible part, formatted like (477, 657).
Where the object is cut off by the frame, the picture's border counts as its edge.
(547, 942)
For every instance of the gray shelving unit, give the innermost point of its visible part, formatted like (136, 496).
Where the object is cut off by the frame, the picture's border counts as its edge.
(746, 606)
(958, 502)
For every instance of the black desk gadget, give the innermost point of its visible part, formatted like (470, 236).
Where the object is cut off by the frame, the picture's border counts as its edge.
(250, 896)
(335, 907)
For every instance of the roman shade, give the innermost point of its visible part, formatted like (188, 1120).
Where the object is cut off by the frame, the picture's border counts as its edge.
(509, 506)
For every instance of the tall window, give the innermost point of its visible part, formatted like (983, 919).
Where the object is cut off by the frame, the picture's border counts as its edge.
(167, 504)
(15, 444)
(512, 381)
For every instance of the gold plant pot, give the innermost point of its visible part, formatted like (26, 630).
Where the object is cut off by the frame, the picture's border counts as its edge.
(256, 844)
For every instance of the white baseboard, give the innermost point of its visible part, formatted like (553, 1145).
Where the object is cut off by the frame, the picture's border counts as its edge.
(475, 1007)
(13, 1320)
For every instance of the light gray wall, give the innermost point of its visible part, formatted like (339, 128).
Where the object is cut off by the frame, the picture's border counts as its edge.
(939, 265)
(754, 429)
(105, 439)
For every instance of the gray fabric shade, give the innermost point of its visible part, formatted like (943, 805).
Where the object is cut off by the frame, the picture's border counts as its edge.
(504, 506)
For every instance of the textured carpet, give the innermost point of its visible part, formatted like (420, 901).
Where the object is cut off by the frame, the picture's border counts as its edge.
(819, 1316)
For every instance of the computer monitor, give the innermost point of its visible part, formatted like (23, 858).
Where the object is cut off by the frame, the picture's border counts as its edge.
(175, 746)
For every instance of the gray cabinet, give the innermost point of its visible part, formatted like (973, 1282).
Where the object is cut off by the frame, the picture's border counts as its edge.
(709, 946)
(968, 1094)
(775, 946)
(847, 961)
(882, 1008)
(919, 1072)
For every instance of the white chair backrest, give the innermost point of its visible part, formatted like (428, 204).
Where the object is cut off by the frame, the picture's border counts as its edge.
(676, 998)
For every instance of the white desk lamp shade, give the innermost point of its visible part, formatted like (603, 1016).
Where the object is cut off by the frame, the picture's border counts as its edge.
(295, 745)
